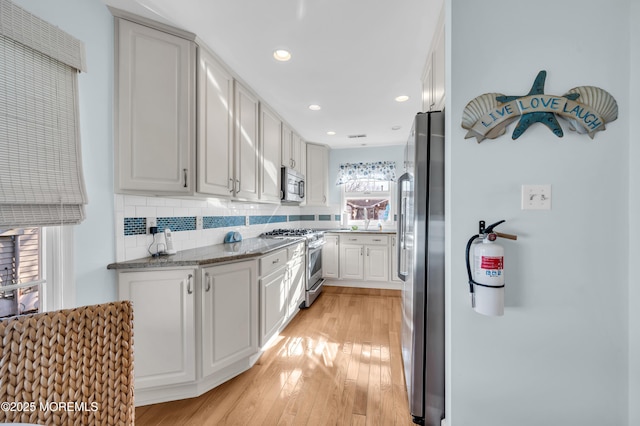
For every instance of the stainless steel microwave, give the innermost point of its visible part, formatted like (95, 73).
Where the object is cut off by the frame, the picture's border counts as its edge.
(293, 190)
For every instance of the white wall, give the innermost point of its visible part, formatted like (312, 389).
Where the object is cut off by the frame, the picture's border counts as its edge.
(559, 355)
(91, 22)
(634, 226)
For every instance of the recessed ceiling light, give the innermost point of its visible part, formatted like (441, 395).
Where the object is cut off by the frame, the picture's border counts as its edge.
(396, 127)
(282, 55)
(314, 107)
(331, 133)
(402, 98)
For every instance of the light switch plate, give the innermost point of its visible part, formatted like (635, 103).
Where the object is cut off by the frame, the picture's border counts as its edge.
(536, 197)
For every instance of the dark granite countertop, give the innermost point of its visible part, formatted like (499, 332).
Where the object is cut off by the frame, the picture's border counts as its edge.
(217, 253)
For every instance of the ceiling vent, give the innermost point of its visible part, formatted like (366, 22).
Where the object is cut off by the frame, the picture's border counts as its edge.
(357, 136)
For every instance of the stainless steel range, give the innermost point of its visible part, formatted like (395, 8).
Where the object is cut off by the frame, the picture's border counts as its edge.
(314, 240)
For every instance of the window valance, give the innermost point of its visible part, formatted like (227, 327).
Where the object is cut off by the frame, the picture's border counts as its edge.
(378, 170)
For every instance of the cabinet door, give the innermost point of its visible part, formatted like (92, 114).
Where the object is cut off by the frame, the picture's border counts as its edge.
(164, 320)
(155, 114)
(438, 72)
(215, 127)
(351, 261)
(229, 317)
(317, 170)
(273, 304)
(427, 86)
(287, 135)
(270, 144)
(246, 142)
(330, 257)
(394, 259)
(295, 285)
(296, 151)
(376, 263)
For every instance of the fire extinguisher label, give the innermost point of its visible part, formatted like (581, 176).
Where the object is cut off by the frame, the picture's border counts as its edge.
(492, 262)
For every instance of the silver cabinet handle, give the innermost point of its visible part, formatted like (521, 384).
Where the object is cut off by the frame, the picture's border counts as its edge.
(231, 185)
(275, 261)
(189, 289)
(377, 239)
(207, 280)
(361, 251)
(368, 251)
(353, 239)
(238, 184)
(393, 241)
(185, 177)
(293, 162)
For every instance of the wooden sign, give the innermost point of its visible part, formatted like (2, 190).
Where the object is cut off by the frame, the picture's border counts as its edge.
(586, 109)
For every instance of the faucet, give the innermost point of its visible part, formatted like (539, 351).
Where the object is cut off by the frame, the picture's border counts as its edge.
(366, 220)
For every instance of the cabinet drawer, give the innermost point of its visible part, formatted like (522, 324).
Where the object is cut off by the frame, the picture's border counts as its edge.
(364, 239)
(295, 251)
(273, 261)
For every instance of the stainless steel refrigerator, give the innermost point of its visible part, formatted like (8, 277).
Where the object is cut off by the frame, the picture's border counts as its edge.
(420, 252)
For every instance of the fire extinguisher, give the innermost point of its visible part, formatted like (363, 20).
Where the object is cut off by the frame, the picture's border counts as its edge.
(486, 280)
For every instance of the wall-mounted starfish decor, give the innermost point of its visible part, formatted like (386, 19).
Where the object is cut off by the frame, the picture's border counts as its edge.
(586, 108)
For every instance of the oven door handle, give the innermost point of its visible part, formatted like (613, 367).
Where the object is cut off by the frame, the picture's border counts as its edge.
(317, 245)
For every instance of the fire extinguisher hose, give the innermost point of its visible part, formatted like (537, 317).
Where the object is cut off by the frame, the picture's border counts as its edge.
(468, 250)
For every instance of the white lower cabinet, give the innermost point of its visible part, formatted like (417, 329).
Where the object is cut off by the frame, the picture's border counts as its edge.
(376, 263)
(364, 257)
(331, 257)
(273, 303)
(229, 315)
(351, 264)
(282, 289)
(360, 259)
(394, 259)
(163, 325)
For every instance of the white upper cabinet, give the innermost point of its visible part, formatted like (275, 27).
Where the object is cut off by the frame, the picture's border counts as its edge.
(270, 144)
(317, 174)
(215, 126)
(163, 81)
(292, 150)
(433, 76)
(246, 144)
(155, 116)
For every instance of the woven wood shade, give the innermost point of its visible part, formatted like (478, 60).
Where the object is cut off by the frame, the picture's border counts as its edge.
(40, 158)
(81, 356)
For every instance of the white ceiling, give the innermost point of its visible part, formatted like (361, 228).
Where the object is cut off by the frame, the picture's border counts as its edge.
(351, 57)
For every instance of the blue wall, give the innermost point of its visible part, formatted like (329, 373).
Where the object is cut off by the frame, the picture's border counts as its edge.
(94, 240)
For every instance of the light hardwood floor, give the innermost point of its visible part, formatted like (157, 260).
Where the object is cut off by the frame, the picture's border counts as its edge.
(337, 363)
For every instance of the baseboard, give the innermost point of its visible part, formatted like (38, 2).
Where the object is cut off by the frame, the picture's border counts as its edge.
(385, 285)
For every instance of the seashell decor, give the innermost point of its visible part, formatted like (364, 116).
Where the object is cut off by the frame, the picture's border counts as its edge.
(586, 108)
(599, 100)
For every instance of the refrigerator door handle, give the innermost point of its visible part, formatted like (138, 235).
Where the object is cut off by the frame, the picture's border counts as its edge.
(402, 205)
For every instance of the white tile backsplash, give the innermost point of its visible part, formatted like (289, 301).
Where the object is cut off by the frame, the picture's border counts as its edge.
(135, 247)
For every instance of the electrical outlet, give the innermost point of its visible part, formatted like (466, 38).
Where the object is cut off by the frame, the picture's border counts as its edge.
(246, 220)
(198, 223)
(151, 221)
(536, 197)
